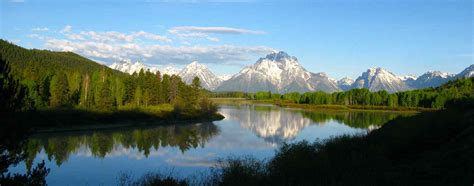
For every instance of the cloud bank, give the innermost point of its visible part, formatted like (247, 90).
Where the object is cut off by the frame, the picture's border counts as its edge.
(112, 46)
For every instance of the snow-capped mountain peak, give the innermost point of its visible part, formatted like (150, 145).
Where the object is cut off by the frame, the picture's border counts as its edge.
(225, 77)
(345, 81)
(170, 70)
(208, 79)
(434, 74)
(376, 79)
(466, 73)
(277, 72)
(128, 66)
(408, 77)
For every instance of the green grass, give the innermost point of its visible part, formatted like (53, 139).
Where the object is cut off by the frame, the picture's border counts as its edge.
(320, 107)
(239, 101)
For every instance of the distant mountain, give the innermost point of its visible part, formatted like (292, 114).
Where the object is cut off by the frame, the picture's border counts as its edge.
(225, 77)
(170, 70)
(130, 67)
(209, 81)
(278, 72)
(345, 83)
(466, 73)
(430, 79)
(376, 79)
(407, 77)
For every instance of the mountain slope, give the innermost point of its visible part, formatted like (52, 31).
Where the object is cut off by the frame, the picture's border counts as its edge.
(209, 81)
(376, 79)
(466, 73)
(345, 83)
(44, 62)
(430, 79)
(278, 72)
(130, 68)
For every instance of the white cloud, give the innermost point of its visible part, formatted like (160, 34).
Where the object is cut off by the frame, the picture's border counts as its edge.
(110, 36)
(39, 29)
(36, 36)
(151, 36)
(193, 32)
(74, 36)
(114, 36)
(213, 30)
(215, 39)
(17, 1)
(111, 46)
(159, 54)
(66, 29)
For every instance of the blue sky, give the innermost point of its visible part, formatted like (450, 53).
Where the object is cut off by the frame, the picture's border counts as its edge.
(341, 38)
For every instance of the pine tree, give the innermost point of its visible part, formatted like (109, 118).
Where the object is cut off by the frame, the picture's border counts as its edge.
(156, 89)
(165, 85)
(59, 90)
(12, 94)
(173, 87)
(137, 96)
(195, 91)
(106, 100)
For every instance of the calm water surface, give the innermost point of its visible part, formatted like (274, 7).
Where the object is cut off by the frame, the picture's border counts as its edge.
(98, 157)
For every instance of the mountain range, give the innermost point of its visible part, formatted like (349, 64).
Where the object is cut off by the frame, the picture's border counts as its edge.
(280, 72)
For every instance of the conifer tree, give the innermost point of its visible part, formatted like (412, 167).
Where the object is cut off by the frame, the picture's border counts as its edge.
(59, 90)
(12, 94)
(195, 91)
(165, 86)
(106, 100)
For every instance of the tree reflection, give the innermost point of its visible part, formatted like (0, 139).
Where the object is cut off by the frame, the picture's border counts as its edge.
(362, 120)
(12, 140)
(59, 147)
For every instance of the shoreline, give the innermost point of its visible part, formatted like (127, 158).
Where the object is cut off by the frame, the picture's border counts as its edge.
(310, 107)
(50, 121)
(124, 124)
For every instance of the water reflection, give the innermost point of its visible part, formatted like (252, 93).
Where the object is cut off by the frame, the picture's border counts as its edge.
(278, 125)
(273, 124)
(96, 157)
(101, 144)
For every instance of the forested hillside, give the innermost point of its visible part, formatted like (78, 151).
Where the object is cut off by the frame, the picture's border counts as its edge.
(67, 80)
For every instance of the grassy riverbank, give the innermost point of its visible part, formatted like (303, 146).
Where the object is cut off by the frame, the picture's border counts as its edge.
(81, 119)
(320, 107)
(239, 101)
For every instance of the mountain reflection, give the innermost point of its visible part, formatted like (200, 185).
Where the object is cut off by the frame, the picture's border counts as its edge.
(273, 124)
(107, 143)
(278, 125)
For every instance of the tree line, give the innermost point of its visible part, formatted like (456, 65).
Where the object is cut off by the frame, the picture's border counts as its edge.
(426, 98)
